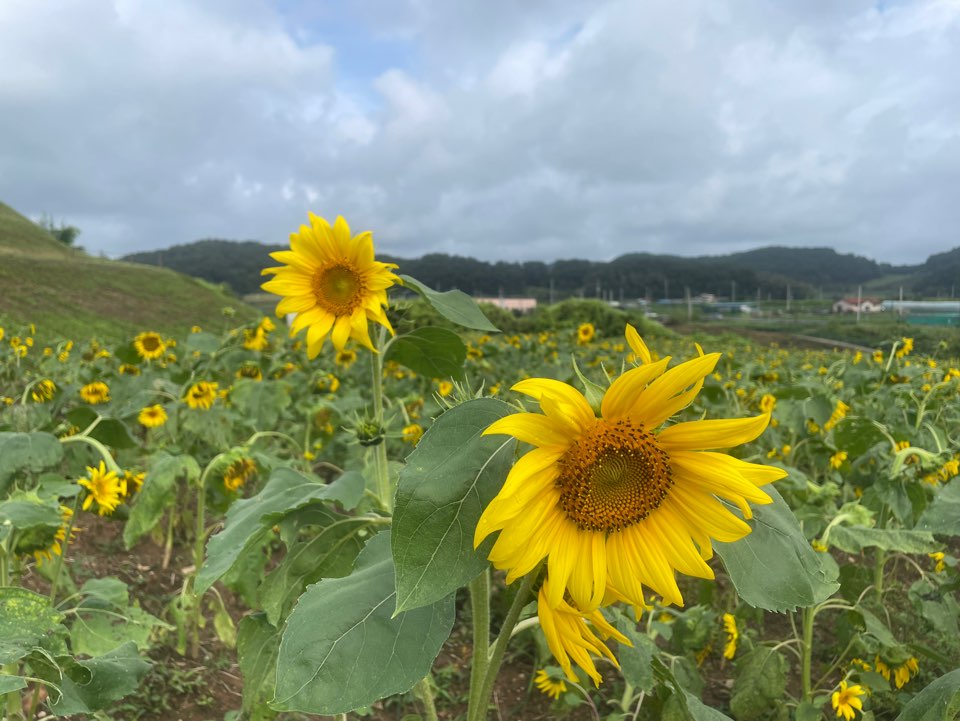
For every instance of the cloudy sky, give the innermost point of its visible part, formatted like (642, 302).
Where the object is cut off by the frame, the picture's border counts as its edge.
(501, 129)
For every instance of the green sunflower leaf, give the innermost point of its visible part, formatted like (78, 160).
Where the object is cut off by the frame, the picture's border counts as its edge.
(453, 305)
(774, 567)
(112, 676)
(760, 684)
(158, 493)
(448, 480)
(261, 402)
(854, 539)
(343, 648)
(943, 515)
(940, 701)
(430, 352)
(257, 645)
(249, 519)
(26, 451)
(327, 549)
(25, 619)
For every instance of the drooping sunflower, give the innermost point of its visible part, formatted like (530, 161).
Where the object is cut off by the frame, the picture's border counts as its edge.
(202, 395)
(43, 391)
(105, 488)
(238, 473)
(149, 345)
(730, 628)
(152, 416)
(549, 686)
(612, 503)
(95, 393)
(333, 284)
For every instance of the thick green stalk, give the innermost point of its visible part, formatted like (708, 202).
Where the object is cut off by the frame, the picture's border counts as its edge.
(424, 691)
(380, 450)
(480, 608)
(808, 615)
(477, 711)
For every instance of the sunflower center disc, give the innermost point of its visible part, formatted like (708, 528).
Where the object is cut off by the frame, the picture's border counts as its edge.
(151, 343)
(337, 289)
(613, 477)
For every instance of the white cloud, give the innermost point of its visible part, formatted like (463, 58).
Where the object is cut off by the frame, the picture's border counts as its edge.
(503, 130)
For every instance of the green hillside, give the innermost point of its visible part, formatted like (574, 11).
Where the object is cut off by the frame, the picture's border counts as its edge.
(67, 293)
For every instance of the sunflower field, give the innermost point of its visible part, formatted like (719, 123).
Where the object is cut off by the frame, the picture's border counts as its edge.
(426, 518)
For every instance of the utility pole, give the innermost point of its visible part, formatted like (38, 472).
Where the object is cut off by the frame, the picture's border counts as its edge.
(689, 304)
(859, 300)
(788, 298)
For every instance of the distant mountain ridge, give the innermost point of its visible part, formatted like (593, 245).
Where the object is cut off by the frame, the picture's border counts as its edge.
(763, 272)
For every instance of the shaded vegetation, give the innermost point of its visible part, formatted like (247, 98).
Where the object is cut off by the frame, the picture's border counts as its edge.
(764, 273)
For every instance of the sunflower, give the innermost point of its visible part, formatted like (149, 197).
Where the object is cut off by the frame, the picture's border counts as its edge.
(251, 371)
(95, 393)
(346, 358)
(412, 433)
(585, 333)
(613, 504)
(238, 473)
(149, 345)
(152, 416)
(105, 488)
(548, 685)
(730, 628)
(846, 699)
(202, 395)
(332, 283)
(43, 391)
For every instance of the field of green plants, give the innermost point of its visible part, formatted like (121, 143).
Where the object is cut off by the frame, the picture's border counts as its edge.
(220, 526)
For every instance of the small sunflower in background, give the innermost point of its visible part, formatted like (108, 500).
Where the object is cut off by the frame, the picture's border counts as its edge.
(238, 473)
(345, 358)
(152, 416)
(412, 433)
(149, 345)
(202, 395)
(548, 685)
(95, 393)
(332, 283)
(103, 488)
(585, 333)
(846, 700)
(43, 391)
(733, 635)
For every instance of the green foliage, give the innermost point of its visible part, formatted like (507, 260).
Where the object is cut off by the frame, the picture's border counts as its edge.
(26, 620)
(431, 352)
(158, 492)
(111, 677)
(760, 684)
(774, 567)
(250, 519)
(454, 305)
(360, 652)
(257, 644)
(447, 482)
(940, 701)
(32, 452)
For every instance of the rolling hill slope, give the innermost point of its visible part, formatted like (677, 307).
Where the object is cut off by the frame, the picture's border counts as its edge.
(67, 293)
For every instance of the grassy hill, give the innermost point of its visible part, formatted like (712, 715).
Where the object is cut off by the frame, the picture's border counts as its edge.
(67, 293)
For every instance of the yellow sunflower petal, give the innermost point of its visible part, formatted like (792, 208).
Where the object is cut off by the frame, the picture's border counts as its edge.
(566, 399)
(619, 398)
(665, 395)
(705, 435)
(532, 428)
(637, 345)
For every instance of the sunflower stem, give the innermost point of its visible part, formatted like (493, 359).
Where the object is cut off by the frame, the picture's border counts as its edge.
(480, 608)
(380, 450)
(808, 615)
(424, 691)
(477, 711)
